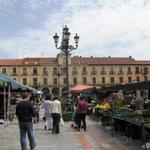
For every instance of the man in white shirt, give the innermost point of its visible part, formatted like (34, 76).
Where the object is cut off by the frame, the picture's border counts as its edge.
(47, 113)
(56, 114)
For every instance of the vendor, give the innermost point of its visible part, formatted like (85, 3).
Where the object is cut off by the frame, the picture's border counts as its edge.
(146, 104)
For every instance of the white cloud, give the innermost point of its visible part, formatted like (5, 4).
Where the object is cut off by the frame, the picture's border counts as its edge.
(112, 27)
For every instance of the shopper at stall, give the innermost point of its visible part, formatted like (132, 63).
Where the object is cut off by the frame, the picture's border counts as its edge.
(139, 100)
(56, 114)
(81, 112)
(26, 114)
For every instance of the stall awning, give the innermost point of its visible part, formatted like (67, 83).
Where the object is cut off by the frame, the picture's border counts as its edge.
(2, 82)
(15, 86)
(78, 88)
(31, 89)
(126, 87)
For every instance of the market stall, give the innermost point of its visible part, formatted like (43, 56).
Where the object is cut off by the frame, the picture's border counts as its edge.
(8, 86)
(125, 110)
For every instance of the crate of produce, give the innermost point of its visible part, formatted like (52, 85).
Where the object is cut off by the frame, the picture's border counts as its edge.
(68, 116)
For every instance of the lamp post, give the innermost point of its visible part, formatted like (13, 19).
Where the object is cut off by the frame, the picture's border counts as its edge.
(145, 72)
(59, 73)
(66, 49)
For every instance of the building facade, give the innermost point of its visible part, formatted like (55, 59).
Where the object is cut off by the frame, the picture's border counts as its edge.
(49, 74)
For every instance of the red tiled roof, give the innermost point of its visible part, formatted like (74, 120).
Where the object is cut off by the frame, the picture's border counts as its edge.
(27, 61)
(108, 60)
(75, 60)
(11, 62)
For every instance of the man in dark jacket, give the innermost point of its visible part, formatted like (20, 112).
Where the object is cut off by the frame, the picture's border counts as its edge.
(26, 114)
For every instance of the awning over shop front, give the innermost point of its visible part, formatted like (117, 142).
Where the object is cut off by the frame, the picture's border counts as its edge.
(130, 87)
(78, 88)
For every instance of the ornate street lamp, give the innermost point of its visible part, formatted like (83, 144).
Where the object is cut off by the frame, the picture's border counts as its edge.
(66, 48)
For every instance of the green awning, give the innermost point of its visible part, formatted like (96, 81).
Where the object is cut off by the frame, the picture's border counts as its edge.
(2, 83)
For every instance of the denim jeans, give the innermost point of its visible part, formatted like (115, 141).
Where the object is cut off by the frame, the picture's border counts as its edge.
(26, 128)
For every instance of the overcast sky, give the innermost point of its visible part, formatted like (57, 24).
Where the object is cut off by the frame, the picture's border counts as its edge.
(118, 28)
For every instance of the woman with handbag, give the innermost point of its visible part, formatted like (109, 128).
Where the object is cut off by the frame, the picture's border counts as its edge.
(81, 113)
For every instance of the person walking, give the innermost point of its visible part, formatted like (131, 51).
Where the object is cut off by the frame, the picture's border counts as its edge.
(81, 113)
(26, 114)
(47, 113)
(56, 114)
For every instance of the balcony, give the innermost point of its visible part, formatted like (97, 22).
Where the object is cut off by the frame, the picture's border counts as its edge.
(45, 74)
(93, 73)
(25, 74)
(112, 73)
(137, 72)
(84, 73)
(14, 74)
(102, 73)
(74, 72)
(120, 73)
(129, 72)
(34, 74)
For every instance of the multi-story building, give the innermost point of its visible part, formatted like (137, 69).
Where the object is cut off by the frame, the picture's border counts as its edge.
(49, 74)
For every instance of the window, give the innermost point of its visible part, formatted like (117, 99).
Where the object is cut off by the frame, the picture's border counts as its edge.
(25, 81)
(35, 71)
(45, 71)
(102, 70)
(121, 79)
(94, 80)
(84, 80)
(112, 70)
(35, 81)
(14, 70)
(103, 80)
(84, 70)
(138, 79)
(120, 70)
(129, 79)
(137, 70)
(45, 81)
(55, 81)
(3, 70)
(24, 70)
(112, 80)
(129, 70)
(65, 81)
(14, 79)
(74, 80)
(74, 70)
(93, 70)
(55, 70)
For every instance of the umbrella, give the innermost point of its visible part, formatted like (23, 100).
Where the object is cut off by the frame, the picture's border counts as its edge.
(78, 88)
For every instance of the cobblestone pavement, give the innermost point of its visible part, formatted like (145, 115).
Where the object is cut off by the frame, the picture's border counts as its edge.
(95, 138)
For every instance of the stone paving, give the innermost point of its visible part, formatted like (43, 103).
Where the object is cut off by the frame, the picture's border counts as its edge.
(95, 138)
